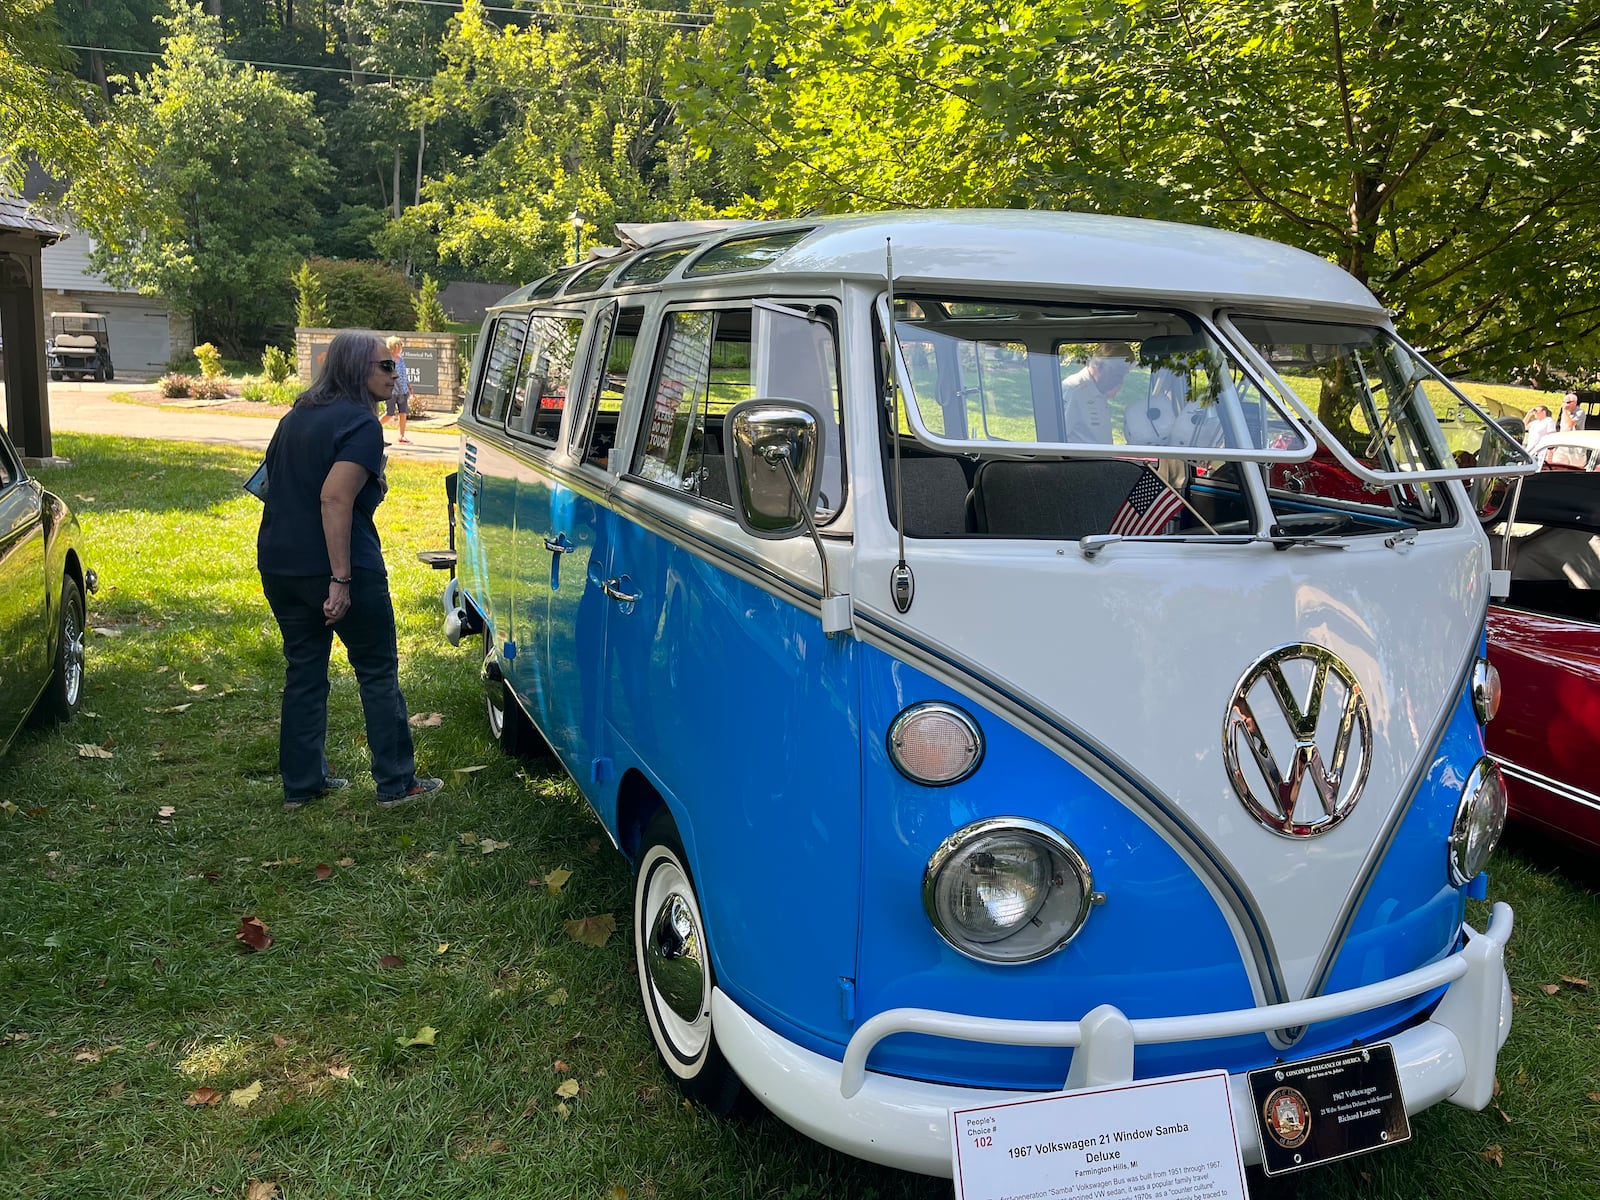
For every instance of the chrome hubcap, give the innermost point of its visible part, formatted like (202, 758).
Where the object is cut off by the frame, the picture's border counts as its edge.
(674, 959)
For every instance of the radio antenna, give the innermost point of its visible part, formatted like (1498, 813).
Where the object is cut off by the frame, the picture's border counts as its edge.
(902, 585)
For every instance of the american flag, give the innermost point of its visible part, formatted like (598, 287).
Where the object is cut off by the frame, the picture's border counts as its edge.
(1150, 507)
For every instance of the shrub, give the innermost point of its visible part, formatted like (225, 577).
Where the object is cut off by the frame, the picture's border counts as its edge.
(430, 313)
(177, 385)
(311, 302)
(266, 391)
(363, 294)
(210, 388)
(210, 360)
(276, 364)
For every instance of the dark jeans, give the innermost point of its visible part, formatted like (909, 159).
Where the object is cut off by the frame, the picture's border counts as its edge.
(368, 634)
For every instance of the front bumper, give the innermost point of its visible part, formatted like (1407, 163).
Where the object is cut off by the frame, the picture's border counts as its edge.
(905, 1123)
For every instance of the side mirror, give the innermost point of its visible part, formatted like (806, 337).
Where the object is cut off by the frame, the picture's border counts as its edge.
(773, 453)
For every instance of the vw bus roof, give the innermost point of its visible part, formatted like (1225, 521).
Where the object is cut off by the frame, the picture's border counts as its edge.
(1009, 249)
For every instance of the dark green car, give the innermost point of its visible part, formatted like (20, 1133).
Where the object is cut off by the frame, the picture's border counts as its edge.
(43, 585)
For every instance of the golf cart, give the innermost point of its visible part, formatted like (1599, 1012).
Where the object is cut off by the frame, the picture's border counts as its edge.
(78, 346)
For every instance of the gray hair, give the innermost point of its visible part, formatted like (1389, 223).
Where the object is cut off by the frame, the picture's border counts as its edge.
(344, 371)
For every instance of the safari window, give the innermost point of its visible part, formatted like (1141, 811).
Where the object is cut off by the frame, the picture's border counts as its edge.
(500, 368)
(616, 335)
(540, 396)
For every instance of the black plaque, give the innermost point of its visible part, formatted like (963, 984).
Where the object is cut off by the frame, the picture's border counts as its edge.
(1324, 1109)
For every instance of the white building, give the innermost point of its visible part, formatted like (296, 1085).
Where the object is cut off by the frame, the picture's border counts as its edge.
(145, 331)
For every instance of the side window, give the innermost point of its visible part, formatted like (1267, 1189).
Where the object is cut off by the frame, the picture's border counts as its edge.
(711, 360)
(547, 364)
(499, 368)
(611, 358)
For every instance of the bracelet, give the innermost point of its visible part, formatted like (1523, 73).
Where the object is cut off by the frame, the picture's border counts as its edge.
(337, 579)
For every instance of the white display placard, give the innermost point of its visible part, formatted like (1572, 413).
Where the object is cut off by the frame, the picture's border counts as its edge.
(1157, 1139)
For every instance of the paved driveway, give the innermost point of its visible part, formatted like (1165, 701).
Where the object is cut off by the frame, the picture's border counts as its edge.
(86, 408)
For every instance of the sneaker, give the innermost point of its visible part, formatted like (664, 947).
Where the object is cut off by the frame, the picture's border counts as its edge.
(421, 786)
(330, 783)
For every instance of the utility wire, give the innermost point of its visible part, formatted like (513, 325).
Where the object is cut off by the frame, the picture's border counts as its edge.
(582, 11)
(250, 62)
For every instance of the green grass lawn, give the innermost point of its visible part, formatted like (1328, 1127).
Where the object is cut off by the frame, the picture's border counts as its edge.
(124, 993)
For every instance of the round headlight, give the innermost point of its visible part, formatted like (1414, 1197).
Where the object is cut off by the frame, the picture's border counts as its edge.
(1485, 690)
(1007, 890)
(1480, 819)
(935, 744)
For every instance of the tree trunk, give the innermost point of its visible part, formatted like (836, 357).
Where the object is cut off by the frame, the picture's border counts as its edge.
(396, 192)
(422, 141)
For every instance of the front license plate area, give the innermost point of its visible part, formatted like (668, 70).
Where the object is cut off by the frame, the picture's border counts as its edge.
(1327, 1108)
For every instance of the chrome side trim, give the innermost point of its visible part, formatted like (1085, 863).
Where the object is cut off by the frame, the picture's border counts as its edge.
(1555, 787)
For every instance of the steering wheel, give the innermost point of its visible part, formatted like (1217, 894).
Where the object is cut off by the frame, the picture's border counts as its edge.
(1303, 524)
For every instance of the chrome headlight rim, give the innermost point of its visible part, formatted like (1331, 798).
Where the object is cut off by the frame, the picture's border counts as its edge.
(1468, 855)
(895, 736)
(1486, 690)
(1064, 855)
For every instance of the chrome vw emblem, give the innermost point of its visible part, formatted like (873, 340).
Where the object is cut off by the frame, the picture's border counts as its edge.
(1325, 740)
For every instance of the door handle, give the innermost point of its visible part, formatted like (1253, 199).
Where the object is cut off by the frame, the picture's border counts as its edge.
(558, 544)
(613, 588)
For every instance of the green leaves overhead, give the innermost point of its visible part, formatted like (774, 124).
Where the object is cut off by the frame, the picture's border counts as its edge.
(1445, 156)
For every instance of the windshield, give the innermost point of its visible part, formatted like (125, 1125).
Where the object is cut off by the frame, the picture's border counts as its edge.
(1369, 392)
(990, 375)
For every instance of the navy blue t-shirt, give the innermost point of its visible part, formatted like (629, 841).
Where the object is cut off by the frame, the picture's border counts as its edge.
(308, 441)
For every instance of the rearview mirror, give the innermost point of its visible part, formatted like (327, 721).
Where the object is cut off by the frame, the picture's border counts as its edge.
(772, 449)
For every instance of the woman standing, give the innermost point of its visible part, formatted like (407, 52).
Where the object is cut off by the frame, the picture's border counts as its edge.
(322, 570)
(399, 402)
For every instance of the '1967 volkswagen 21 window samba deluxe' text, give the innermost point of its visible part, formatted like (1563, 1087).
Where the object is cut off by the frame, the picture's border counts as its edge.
(945, 616)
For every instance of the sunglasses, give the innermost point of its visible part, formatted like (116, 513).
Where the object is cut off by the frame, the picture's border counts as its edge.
(386, 363)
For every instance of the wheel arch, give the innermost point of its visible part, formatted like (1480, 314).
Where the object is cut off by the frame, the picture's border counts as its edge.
(638, 802)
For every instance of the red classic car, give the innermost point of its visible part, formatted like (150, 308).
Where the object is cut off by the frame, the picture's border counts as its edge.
(1544, 638)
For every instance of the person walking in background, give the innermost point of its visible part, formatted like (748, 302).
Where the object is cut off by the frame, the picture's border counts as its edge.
(322, 571)
(399, 402)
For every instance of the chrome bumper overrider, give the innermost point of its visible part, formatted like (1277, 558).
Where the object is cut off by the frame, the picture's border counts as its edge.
(904, 1123)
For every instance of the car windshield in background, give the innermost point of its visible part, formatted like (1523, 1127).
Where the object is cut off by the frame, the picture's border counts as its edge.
(1037, 375)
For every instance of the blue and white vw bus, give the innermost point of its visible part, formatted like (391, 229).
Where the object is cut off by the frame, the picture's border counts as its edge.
(1017, 651)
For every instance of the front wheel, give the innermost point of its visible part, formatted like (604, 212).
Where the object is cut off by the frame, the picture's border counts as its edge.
(65, 692)
(675, 975)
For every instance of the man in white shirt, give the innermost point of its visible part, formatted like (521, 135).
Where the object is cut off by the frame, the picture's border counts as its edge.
(1086, 394)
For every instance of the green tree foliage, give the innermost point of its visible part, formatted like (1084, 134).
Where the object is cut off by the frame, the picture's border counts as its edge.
(572, 115)
(430, 313)
(1447, 157)
(47, 116)
(232, 167)
(364, 294)
(311, 299)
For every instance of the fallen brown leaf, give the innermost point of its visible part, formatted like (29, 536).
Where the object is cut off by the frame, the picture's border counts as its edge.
(391, 960)
(1549, 989)
(261, 1190)
(1595, 1096)
(568, 1088)
(1494, 1154)
(85, 750)
(421, 720)
(324, 872)
(279, 1040)
(489, 845)
(166, 812)
(1503, 1113)
(86, 1056)
(201, 1097)
(347, 862)
(253, 933)
(1574, 982)
(339, 1072)
(560, 1067)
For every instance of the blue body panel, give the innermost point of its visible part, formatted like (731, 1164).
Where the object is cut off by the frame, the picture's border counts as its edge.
(766, 739)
